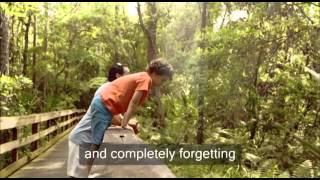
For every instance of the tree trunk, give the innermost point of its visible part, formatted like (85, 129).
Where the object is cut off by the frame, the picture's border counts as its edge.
(71, 39)
(17, 49)
(201, 85)
(26, 41)
(11, 42)
(4, 51)
(42, 81)
(34, 55)
(45, 48)
(4, 44)
(254, 108)
(45, 41)
(158, 115)
(152, 26)
(116, 33)
(151, 33)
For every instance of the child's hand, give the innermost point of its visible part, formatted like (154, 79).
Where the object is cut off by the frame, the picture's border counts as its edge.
(128, 127)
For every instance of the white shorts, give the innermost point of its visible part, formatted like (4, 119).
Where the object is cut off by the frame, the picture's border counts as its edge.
(75, 169)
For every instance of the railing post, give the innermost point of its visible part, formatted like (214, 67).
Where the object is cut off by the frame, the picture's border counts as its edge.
(71, 124)
(35, 129)
(54, 123)
(70, 116)
(75, 115)
(61, 120)
(66, 118)
(48, 125)
(75, 121)
(14, 152)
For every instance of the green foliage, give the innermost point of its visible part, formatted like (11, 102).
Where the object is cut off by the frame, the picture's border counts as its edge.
(251, 71)
(254, 78)
(97, 82)
(15, 98)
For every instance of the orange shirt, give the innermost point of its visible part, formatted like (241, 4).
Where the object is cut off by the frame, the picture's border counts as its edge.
(120, 91)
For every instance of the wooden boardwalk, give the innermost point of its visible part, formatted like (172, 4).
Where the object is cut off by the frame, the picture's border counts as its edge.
(53, 162)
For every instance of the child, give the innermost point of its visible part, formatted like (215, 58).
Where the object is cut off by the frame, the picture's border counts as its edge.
(83, 129)
(123, 95)
(116, 71)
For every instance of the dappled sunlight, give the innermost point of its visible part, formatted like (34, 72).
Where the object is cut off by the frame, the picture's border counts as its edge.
(244, 73)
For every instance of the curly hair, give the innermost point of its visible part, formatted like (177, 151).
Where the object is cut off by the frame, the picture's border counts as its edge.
(161, 67)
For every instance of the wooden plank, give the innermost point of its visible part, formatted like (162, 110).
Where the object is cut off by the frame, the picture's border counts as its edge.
(21, 162)
(17, 121)
(27, 140)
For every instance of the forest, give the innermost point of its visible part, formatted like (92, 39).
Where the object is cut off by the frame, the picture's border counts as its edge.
(244, 73)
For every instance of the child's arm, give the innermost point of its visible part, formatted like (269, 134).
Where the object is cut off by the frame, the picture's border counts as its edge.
(133, 105)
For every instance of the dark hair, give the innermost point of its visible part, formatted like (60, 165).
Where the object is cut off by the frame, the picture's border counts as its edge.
(116, 68)
(160, 67)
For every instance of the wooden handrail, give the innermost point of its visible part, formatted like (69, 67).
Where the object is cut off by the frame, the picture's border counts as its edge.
(27, 140)
(58, 124)
(18, 121)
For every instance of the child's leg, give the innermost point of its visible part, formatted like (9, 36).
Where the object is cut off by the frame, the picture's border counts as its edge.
(74, 168)
(101, 120)
(93, 147)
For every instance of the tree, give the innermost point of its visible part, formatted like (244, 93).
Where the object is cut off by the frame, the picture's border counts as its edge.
(116, 33)
(46, 26)
(26, 44)
(34, 53)
(150, 32)
(201, 85)
(245, 73)
(42, 83)
(150, 28)
(4, 44)
(4, 52)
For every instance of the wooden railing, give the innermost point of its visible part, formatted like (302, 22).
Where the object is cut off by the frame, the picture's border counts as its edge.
(43, 130)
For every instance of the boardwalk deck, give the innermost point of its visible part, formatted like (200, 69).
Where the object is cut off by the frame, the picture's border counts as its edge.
(53, 163)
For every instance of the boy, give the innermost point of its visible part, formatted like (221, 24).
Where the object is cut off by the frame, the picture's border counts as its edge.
(123, 95)
(83, 129)
(116, 71)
